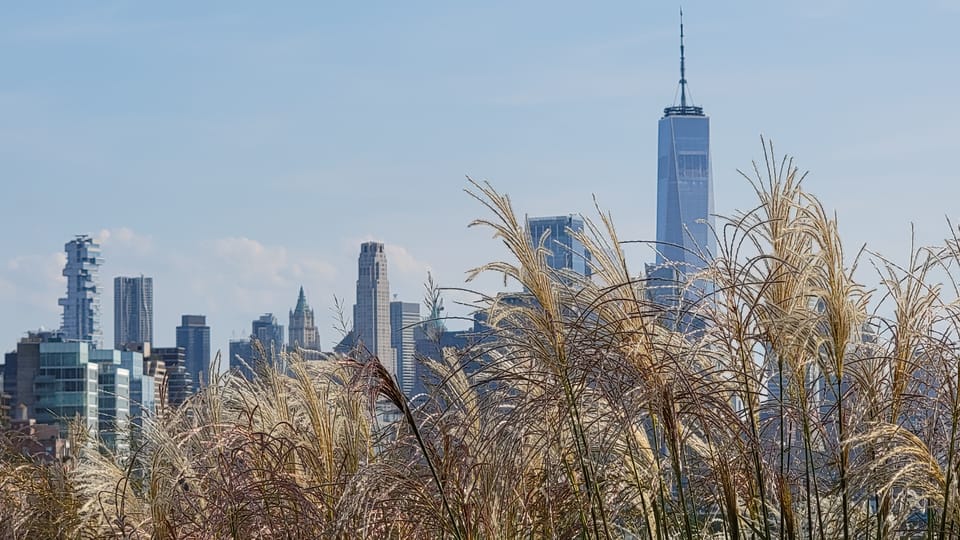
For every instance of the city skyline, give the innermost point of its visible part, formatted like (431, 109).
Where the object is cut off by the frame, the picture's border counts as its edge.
(562, 117)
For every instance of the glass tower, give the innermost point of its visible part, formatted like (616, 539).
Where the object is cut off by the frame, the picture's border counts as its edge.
(81, 306)
(566, 251)
(66, 385)
(132, 310)
(193, 335)
(685, 241)
(404, 318)
(269, 332)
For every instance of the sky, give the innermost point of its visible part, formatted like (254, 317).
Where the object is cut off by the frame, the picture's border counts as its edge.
(235, 151)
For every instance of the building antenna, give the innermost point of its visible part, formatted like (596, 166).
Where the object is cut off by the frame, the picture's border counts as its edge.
(683, 71)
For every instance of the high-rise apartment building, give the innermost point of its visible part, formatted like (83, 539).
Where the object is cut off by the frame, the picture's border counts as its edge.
(404, 318)
(193, 335)
(566, 252)
(81, 306)
(685, 241)
(132, 310)
(303, 328)
(371, 313)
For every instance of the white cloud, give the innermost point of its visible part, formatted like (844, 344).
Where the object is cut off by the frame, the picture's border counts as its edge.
(125, 239)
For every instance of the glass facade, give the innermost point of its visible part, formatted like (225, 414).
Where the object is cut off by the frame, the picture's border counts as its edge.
(269, 332)
(404, 317)
(114, 407)
(132, 310)
(175, 371)
(684, 192)
(66, 386)
(241, 357)
(566, 252)
(193, 335)
(141, 391)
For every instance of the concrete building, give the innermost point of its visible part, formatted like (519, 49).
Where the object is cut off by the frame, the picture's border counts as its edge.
(193, 336)
(303, 328)
(132, 310)
(21, 368)
(81, 306)
(371, 313)
(404, 318)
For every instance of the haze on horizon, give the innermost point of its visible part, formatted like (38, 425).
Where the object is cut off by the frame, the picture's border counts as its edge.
(234, 153)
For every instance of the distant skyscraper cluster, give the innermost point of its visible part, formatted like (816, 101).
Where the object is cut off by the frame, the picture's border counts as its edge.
(53, 376)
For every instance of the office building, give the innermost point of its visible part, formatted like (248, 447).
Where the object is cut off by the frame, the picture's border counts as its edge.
(303, 328)
(371, 313)
(565, 251)
(81, 306)
(174, 386)
(21, 368)
(193, 336)
(404, 318)
(113, 405)
(66, 385)
(685, 239)
(141, 396)
(242, 357)
(684, 183)
(269, 332)
(132, 310)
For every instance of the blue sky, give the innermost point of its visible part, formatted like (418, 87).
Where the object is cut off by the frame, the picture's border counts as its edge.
(235, 151)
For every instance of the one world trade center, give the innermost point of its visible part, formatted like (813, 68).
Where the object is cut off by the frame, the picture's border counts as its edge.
(685, 240)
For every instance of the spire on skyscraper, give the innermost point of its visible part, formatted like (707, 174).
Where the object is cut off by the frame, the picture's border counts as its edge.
(683, 109)
(683, 70)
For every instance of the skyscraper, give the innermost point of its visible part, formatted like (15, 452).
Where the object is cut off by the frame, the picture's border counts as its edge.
(371, 313)
(193, 335)
(81, 306)
(404, 318)
(566, 252)
(66, 385)
(303, 329)
(685, 242)
(132, 310)
(178, 380)
(269, 332)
